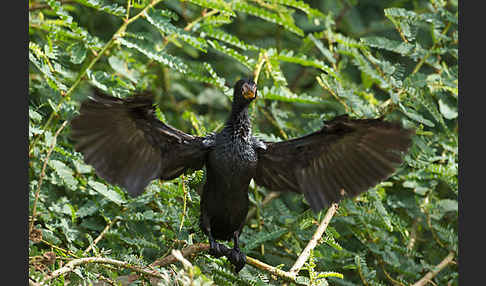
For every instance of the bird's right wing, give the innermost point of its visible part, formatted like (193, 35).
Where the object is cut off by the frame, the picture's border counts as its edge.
(128, 146)
(344, 158)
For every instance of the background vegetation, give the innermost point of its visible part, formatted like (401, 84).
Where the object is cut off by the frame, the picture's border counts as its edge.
(314, 60)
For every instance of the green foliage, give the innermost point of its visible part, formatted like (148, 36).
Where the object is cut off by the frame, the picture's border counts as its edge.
(314, 60)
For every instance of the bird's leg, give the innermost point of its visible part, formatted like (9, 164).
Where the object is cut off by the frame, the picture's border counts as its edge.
(217, 249)
(236, 257)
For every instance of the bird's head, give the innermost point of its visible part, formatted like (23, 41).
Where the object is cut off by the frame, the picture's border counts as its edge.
(245, 91)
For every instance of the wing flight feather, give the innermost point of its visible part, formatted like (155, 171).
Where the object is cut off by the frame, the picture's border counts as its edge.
(344, 158)
(128, 146)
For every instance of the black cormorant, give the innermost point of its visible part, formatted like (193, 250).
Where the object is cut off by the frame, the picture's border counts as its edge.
(128, 146)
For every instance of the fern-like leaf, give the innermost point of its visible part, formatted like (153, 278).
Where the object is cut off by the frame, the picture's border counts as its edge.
(161, 22)
(160, 56)
(100, 5)
(265, 14)
(284, 94)
(219, 5)
(301, 5)
(244, 60)
(263, 237)
(227, 38)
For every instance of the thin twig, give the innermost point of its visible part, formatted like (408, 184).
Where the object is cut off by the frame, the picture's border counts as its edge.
(43, 173)
(388, 276)
(315, 238)
(65, 251)
(339, 99)
(107, 280)
(70, 266)
(189, 26)
(261, 60)
(428, 277)
(204, 15)
(129, 4)
(188, 251)
(274, 122)
(101, 235)
(424, 59)
(268, 268)
(184, 209)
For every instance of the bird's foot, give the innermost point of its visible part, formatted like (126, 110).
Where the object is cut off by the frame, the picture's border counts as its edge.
(237, 258)
(217, 249)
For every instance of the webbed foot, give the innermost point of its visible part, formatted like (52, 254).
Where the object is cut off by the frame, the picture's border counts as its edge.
(237, 258)
(217, 249)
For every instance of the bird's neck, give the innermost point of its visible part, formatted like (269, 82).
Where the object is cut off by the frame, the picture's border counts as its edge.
(239, 122)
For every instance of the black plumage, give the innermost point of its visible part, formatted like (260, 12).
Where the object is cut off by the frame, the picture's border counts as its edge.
(128, 146)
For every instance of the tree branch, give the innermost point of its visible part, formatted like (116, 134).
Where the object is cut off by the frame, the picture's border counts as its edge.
(428, 277)
(315, 238)
(70, 266)
(268, 268)
(188, 251)
(199, 247)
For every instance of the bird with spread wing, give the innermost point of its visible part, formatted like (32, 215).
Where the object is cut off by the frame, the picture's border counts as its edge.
(128, 146)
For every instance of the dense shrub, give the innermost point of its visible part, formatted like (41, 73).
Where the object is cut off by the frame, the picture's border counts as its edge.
(314, 60)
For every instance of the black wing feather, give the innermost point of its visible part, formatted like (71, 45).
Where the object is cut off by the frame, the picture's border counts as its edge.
(345, 158)
(128, 146)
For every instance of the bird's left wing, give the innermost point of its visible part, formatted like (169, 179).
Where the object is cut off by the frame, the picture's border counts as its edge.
(128, 146)
(345, 158)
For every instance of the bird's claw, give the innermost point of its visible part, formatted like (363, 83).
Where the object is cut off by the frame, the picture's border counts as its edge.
(237, 258)
(217, 250)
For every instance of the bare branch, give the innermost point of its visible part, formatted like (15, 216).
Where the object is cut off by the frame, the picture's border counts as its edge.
(287, 275)
(199, 247)
(70, 266)
(315, 238)
(428, 277)
(268, 268)
(188, 251)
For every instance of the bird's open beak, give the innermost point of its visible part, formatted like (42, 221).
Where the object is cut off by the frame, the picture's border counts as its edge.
(249, 91)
